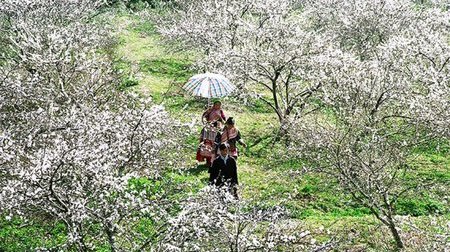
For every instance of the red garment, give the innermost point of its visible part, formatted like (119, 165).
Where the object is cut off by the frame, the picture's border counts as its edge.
(231, 136)
(201, 158)
(206, 151)
(207, 148)
(214, 115)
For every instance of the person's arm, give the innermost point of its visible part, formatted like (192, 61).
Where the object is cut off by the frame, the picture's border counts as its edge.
(206, 114)
(224, 136)
(222, 115)
(201, 135)
(241, 142)
(239, 139)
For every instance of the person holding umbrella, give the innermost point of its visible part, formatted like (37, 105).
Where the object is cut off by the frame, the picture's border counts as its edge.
(215, 114)
(209, 85)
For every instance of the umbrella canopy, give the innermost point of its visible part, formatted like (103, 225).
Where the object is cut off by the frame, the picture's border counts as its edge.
(209, 85)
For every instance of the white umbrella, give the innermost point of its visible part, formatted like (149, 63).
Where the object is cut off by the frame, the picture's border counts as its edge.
(209, 85)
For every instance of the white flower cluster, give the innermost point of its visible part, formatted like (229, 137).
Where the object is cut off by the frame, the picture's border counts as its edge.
(215, 221)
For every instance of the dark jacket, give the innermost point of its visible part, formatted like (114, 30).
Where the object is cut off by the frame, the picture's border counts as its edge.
(220, 173)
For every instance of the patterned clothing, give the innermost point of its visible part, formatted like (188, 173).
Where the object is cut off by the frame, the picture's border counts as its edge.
(231, 137)
(213, 115)
(209, 143)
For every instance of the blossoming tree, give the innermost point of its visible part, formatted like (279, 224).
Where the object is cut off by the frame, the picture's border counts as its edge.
(70, 142)
(386, 91)
(262, 45)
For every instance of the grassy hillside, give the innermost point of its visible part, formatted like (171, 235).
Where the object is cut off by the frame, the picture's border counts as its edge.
(266, 176)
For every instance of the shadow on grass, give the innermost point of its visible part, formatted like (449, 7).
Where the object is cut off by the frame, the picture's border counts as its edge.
(261, 146)
(198, 170)
(169, 68)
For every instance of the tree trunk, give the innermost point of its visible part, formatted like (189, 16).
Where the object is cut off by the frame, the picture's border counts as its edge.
(110, 233)
(398, 240)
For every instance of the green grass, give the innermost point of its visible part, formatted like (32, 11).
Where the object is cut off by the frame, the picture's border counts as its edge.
(167, 68)
(18, 235)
